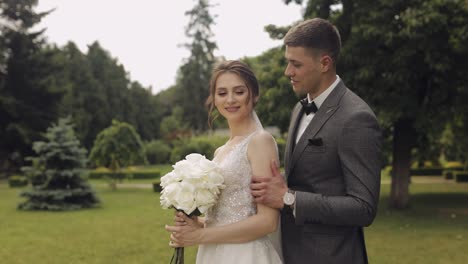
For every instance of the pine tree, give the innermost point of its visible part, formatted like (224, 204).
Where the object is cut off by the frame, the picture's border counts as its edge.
(31, 83)
(193, 83)
(57, 172)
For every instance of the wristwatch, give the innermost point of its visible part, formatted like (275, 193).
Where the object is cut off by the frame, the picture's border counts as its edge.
(289, 198)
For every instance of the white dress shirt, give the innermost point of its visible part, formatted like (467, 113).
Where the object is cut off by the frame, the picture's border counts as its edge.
(305, 120)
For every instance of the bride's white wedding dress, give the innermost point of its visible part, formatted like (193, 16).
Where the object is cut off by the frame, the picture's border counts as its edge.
(235, 204)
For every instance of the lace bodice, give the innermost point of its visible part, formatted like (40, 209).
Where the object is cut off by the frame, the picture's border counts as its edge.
(235, 202)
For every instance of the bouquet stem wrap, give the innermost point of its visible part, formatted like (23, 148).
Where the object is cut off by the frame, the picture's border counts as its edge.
(178, 256)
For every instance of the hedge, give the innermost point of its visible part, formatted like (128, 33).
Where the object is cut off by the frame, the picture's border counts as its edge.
(125, 175)
(460, 176)
(17, 181)
(435, 171)
(448, 172)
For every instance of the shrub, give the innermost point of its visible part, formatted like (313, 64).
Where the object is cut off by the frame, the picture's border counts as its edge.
(102, 169)
(204, 145)
(117, 146)
(453, 165)
(448, 174)
(158, 152)
(157, 186)
(460, 176)
(17, 181)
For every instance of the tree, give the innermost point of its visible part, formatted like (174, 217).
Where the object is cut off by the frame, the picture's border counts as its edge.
(145, 111)
(454, 139)
(99, 90)
(85, 99)
(112, 79)
(57, 173)
(194, 76)
(173, 127)
(117, 146)
(416, 89)
(31, 81)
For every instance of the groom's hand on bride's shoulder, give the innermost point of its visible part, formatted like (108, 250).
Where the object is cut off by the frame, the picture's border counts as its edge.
(269, 190)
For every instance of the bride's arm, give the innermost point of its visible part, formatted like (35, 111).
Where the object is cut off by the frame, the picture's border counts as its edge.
(262, 149)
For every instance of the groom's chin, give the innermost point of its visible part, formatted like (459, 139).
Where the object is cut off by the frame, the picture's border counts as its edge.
(299, 93)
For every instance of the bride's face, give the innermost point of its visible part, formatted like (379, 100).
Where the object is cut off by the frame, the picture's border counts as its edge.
(232, 97)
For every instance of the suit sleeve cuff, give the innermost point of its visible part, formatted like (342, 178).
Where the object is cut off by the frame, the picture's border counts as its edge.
(305, 208)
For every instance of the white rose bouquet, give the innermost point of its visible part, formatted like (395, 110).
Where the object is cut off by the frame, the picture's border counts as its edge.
(193, 186)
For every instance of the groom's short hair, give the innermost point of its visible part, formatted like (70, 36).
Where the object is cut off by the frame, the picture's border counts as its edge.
(316, 34)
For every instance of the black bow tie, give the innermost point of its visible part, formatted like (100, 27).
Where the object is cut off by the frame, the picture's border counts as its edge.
(308, 107)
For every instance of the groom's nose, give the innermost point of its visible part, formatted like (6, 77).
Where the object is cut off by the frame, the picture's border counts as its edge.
(288, 71)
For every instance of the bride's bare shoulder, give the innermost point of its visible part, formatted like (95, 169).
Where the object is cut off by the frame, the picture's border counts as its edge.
(262, 141)
(217, 151)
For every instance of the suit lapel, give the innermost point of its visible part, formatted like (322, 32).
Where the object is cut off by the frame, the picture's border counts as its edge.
(328, 108)
(295, 118)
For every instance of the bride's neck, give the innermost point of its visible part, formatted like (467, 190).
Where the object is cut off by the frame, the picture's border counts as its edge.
(242, 128)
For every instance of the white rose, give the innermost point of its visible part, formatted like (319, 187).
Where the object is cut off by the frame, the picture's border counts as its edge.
(197, 182)
(194, 173)
(215, 178)
(169, 195)
(194, 183)
(194, 157)
(205, 197)
(185, 199)
(205, 200)
(169, 178)
(207, 166)
(188, 170)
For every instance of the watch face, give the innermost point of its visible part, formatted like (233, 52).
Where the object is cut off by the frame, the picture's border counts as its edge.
(288, 198)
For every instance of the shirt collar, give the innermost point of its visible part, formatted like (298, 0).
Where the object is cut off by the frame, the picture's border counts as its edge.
(321, 98)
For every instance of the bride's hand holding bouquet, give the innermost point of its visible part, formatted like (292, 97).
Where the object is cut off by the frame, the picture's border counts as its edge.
(192, 187)
(186, 230)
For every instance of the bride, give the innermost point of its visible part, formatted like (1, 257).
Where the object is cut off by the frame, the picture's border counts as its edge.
(236, 229)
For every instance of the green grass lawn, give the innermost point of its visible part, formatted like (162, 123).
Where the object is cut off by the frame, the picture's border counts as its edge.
(128, 228)
(434, 230)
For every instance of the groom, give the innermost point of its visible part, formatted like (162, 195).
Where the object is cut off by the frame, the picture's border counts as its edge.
(333, 157)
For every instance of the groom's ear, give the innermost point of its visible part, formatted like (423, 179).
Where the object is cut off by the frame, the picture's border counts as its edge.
(326, 62)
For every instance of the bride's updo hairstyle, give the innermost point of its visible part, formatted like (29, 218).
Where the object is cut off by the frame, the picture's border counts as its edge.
(240, 69)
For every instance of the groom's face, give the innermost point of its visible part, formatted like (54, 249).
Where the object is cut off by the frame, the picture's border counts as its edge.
(303, 70)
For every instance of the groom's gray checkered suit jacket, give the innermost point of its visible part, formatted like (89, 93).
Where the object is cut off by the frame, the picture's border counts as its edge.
(335, 170)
